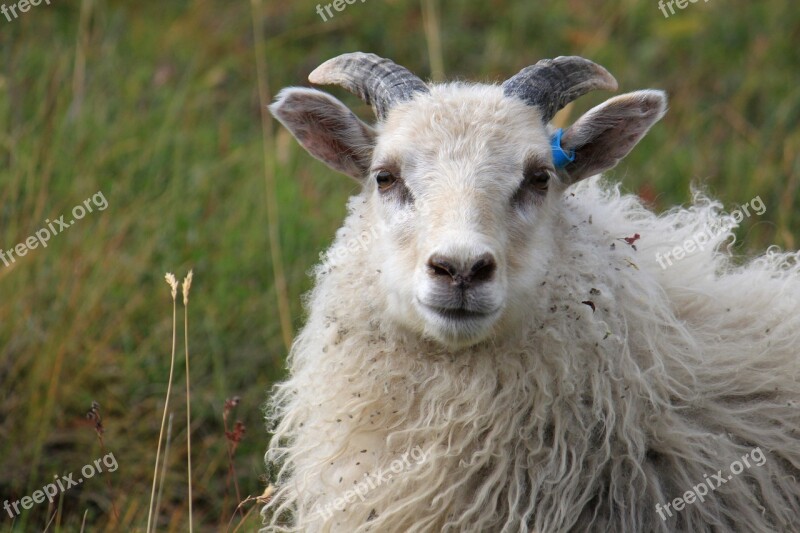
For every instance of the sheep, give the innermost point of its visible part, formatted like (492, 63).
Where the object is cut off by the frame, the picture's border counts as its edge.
(491, 343)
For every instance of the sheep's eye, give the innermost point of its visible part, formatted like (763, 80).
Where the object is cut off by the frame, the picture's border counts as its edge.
(385, 180)
(537, 179)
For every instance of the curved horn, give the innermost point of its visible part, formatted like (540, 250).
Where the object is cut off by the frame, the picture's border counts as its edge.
(378, 81)
(551, 84)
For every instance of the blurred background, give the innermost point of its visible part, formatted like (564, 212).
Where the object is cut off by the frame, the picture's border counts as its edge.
(158, 106)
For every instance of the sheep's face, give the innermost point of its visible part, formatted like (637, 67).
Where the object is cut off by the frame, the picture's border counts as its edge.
(459, 179)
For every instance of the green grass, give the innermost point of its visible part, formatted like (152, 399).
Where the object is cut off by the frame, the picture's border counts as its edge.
(165, 121)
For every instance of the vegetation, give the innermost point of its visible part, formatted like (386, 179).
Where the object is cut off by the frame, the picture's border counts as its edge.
(157, 105)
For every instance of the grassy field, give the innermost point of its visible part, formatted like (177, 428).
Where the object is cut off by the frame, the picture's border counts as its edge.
(156, 107)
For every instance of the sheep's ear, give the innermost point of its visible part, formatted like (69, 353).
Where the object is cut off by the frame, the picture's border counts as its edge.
(608, 132)
(327, 129)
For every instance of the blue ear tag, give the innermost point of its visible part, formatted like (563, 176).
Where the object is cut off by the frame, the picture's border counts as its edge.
(560, 157)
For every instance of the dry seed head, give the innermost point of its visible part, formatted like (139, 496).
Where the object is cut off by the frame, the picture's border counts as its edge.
(266, 496)
(170, 277)
(187, 285)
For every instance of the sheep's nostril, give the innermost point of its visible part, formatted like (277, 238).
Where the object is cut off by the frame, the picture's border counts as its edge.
(439, 266)
(483, 268)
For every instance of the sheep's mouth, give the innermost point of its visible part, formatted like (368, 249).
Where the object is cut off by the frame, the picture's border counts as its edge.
(459, 314)
(460, 325)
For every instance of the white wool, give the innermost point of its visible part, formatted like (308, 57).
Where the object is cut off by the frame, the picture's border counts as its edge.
(581, 419)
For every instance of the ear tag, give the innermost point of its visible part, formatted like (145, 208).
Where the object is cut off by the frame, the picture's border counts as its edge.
(560, 157)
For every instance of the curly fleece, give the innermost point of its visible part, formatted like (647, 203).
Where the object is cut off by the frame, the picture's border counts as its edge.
(628, 385)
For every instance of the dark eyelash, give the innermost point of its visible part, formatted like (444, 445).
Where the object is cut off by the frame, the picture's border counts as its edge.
(534, 185)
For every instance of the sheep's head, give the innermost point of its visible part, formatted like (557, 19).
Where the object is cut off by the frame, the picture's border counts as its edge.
(464, 178)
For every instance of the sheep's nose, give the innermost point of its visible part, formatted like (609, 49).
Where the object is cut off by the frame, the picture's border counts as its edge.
(475, 271)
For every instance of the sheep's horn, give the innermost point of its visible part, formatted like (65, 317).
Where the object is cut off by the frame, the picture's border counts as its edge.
(378, 81)
(551, 84)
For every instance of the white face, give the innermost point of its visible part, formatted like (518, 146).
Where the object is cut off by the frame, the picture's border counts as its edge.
(462, 183)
